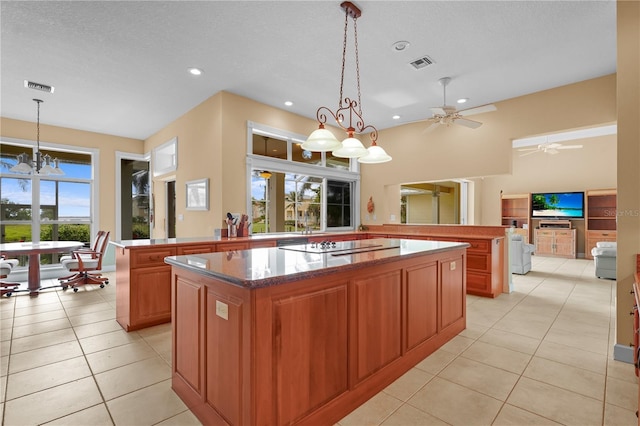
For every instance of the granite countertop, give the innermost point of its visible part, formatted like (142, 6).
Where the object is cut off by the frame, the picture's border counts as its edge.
(264, 267)
(257, 237)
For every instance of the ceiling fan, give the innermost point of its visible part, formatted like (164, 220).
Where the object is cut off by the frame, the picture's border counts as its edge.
(547, 148)
(448, 115)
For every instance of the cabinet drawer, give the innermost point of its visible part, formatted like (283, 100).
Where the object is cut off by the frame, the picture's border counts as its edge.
(565, 233)
(155, 257)
(479, 262)
(602, 235)
(479, 246)
(478, 282)
(195, 249)
(232, 246)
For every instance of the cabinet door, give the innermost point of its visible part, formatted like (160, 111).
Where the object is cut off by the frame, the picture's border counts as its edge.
(544, 243)
(422, 303)
(377, 315)
(565, 244)
(452, 292)
(150, 295)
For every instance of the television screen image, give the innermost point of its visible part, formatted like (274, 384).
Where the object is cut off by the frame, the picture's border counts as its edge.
(569, 205)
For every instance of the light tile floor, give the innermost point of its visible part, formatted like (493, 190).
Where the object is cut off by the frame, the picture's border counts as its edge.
(540, 355)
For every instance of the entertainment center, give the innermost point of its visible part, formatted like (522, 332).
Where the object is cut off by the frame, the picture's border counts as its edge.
(564, 224)
(555, 238)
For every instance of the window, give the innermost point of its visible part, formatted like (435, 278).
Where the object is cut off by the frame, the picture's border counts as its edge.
(46, 207)
(292, 189)
(165, 157)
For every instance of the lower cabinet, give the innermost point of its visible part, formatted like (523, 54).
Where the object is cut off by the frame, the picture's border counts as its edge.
(311, 351)
(143, 291)
(594, 237)
(555, 242)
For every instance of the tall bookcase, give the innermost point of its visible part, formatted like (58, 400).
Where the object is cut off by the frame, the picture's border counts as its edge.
(516, 210)
(600, 218)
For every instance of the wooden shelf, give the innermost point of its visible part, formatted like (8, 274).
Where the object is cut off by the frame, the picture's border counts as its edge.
(516, 208)
(600, 218)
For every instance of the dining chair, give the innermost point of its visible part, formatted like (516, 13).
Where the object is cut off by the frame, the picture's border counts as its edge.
(6, 265)
(86, 265)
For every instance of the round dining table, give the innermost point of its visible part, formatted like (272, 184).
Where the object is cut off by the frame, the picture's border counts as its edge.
(34, 250)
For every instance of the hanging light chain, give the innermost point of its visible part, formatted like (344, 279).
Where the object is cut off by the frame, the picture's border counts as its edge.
(344, 53)
(355, 33)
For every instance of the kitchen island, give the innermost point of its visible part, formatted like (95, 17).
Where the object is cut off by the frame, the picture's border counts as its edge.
(304, 334)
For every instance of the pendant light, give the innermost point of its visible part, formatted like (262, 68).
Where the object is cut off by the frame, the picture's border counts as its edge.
(348, 116)
(41, 164)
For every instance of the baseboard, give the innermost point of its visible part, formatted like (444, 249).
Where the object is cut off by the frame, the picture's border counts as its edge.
(623, 353)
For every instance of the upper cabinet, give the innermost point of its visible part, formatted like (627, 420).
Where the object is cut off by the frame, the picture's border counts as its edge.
(516, 210)
(600, 218)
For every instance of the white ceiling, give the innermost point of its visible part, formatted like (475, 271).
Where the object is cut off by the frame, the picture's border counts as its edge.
(121, 67)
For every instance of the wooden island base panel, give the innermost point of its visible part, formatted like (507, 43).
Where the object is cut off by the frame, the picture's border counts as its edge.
(301, 335)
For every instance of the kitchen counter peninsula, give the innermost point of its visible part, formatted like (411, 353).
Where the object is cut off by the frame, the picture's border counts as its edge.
(304, 334)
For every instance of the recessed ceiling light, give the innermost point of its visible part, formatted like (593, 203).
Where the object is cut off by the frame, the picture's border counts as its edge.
(288, 103)
(195, 71)
(399, 46)
(396, 117)
(462, 100)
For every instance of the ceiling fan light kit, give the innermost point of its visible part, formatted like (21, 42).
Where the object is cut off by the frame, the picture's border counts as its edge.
(348, 116)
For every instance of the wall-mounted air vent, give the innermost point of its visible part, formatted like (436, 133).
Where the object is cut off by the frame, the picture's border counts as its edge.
(422, 62)
(38, 86)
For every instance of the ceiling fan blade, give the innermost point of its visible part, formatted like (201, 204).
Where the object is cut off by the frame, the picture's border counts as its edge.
(478, 110)
(528, 149)
(431, 127)
(438, 111)
(568, 147)
(467, 123)
(528, 153)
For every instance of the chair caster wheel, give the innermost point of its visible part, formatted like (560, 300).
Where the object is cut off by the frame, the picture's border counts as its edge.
(75, 290)
(9, 294)
(101, 285)
(65, 287)
(106, 282)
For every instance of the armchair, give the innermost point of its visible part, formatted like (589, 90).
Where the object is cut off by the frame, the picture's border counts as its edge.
(85, 265)
(520, 255)
(604, 256)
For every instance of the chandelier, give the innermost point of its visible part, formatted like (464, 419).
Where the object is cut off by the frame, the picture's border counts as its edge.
(348, 116)
(41, 164)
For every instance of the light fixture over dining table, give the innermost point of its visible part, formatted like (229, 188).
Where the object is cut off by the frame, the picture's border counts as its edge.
(348, 116)
(40, 164)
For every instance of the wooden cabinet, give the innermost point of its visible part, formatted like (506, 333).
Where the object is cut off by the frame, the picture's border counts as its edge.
(601, 211)
(143, 290)
(555, 242)
(516, 209)
(485, 262)
(312, 350)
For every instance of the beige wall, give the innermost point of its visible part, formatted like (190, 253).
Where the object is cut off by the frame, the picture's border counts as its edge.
(457, 152)
(628, 66)
(106, 144)
(212, 143)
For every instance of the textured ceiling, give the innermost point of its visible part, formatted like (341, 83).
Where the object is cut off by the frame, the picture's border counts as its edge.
(121, 67)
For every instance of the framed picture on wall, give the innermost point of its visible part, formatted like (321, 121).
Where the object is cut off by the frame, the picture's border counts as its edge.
(198, 194)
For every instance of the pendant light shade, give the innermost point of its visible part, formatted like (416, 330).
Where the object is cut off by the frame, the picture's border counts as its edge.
(321, 140)
(375, 155)
(351, 148)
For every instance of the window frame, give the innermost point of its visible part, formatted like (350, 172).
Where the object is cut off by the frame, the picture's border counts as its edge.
(92, 181)
(260, 162)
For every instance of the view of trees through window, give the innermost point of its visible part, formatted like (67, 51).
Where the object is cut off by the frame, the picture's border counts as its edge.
(45, 207)
(287, 202)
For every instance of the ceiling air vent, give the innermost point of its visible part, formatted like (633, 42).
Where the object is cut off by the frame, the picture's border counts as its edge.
(38, 86)
(422, 62)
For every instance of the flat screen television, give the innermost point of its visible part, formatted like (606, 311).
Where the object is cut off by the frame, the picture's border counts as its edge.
(557, 205)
